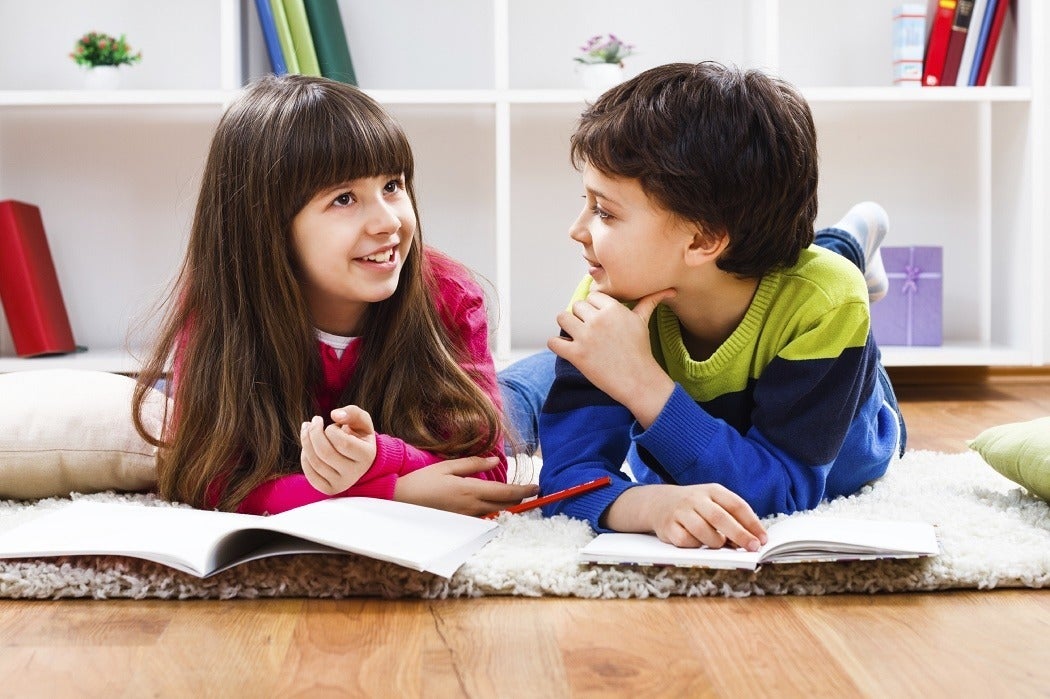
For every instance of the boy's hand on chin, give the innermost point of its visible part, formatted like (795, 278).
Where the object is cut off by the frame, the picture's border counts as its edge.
(609, 344)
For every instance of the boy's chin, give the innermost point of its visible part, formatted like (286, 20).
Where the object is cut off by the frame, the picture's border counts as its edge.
(615, 293)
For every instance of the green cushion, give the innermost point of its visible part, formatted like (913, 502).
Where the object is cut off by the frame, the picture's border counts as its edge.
(1020, 451)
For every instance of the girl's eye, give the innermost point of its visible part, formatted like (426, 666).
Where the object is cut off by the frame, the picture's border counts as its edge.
(344, 199)
(394, 186)
(600, 213)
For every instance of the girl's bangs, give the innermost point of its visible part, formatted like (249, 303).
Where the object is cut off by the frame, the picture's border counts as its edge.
(348, 139)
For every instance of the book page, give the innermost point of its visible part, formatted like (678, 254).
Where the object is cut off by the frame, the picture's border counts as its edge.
(646, 549)
(177, 537)
(793, 540)
(832, 538)
(203, 542)
(421, 538)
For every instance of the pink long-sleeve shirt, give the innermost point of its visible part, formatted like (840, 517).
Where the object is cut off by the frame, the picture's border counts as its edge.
(461, 307)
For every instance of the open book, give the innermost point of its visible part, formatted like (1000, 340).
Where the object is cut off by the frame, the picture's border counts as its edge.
(793, 540)
(203, 543)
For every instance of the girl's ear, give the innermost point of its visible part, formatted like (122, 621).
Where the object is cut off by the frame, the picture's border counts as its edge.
(705, 246)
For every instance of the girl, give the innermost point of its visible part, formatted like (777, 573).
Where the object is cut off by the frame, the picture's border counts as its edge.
(319, 348)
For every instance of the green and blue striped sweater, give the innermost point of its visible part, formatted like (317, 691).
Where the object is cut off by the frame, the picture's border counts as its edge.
(786, 413)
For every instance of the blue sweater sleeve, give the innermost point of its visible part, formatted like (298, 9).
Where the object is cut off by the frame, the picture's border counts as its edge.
(694, 447)
(585, 435)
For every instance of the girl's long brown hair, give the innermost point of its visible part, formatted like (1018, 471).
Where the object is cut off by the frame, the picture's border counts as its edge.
(248, 360)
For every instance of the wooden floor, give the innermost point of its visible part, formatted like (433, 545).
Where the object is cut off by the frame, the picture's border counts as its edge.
(957, 644)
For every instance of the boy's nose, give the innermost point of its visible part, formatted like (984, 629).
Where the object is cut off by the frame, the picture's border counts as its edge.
(578, 231)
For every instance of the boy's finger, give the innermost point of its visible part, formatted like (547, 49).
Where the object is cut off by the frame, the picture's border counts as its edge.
(742, 514)
(647, 304)
(678, 535)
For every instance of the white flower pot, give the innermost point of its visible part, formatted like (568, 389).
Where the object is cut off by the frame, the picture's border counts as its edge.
(102, 78)
(600, 76)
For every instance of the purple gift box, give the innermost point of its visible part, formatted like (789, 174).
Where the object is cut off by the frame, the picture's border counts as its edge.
(911, 312)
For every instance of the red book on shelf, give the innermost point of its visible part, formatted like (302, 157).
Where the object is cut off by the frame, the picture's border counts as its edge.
(993, 39)
(937, 43)
(956, 41)
(29, 288)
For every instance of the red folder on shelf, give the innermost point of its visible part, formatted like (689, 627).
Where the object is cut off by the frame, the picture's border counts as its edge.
(32, 299)
(937, 42)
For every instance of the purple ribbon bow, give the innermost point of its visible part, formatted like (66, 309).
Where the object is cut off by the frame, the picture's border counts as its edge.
(911, 279)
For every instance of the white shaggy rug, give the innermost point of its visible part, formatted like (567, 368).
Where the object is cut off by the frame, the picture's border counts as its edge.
(992, 534)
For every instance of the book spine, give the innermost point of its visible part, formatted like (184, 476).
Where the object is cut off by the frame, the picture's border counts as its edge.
(972, 36)
(957, 41)
(909, 36)
(333, 52)
(937, 44)
(301, 37)
(29, 290)
(982, 41)
(993, 41)
(284, 35)
(269, 31)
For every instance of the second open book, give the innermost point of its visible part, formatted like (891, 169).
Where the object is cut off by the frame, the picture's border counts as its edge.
(793, 540)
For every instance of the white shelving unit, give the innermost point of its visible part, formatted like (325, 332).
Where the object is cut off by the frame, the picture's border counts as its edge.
(487, 93)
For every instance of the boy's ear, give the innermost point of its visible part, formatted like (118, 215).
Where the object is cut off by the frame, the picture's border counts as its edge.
(705, 246)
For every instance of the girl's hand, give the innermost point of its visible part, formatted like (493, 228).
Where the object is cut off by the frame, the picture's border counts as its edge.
(335, 457)
(688, 516)
(446, 486)
(609, 344)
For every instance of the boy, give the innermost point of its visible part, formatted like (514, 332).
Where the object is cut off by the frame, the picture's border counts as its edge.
(744, 381)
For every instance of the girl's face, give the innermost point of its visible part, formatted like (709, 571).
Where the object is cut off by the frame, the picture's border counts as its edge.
(351, 242)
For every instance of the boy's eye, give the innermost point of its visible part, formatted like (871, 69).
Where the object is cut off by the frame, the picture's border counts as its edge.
(600, 213)
(344, 199)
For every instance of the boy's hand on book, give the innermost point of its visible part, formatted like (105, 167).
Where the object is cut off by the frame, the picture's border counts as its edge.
(447, 485)
(609, 344)
(335, 457)
(689, 516)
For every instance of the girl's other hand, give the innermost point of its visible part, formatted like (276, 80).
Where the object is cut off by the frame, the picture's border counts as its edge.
(335, 457)
(446, 485)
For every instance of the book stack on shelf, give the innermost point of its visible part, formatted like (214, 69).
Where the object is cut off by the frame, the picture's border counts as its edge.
(961, 42)
(307, 37)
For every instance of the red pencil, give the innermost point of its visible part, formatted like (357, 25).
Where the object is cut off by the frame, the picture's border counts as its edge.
(554, 497)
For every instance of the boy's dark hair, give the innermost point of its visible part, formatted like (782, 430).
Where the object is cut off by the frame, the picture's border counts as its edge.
(732, 150)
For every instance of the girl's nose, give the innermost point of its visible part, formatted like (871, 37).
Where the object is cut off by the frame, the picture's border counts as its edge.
(382, 219)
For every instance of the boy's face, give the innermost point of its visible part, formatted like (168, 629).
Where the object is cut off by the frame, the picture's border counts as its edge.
(632, 246)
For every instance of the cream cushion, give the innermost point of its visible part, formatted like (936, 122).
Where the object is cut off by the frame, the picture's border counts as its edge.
(68, 431)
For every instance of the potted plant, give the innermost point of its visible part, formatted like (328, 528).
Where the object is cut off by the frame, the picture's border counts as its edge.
(103, 55)
(601, 60)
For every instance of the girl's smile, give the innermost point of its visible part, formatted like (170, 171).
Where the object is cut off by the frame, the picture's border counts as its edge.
(385, 258)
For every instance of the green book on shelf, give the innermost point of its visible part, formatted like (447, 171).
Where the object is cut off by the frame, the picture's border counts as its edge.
(295, 10)
(284, 36)
(333, 53)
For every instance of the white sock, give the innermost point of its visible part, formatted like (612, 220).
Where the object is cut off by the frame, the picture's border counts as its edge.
(869, 223)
